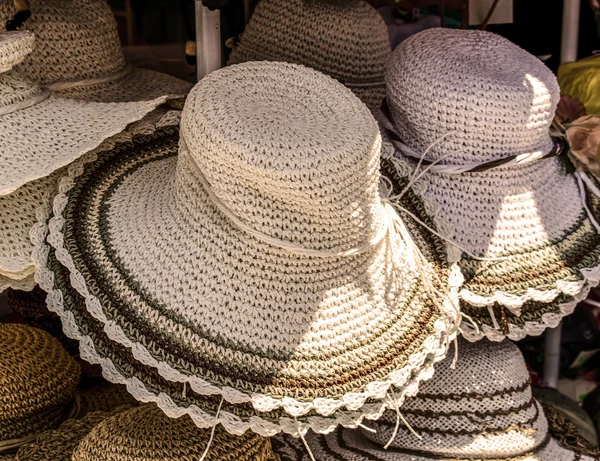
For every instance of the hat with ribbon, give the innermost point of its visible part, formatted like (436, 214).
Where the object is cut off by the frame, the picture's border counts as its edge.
(38, 381)
(262, 267)
(470, 115)
(78, 54)
(345, 39)
(41, 135)
(482, 409)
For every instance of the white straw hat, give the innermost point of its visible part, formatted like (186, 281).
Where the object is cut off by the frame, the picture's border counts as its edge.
(41, 134)
(481, 410)
(480, 108)
(260, 266)
(345, 39)
(78, 54)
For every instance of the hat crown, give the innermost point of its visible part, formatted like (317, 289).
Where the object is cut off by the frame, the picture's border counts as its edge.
(489, 98)
(147, 433)
(482, 409)
(34, 357)
(346, 39)
(76, 40)
(289, 151)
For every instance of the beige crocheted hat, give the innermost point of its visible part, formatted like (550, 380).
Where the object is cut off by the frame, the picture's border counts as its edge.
(305, 304)
(41, 134)
(481, 410)
(78, 54)
(480, 108)
(37, 384)
(345, 39)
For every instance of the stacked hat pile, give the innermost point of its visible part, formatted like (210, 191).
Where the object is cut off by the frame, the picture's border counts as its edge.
(267, 272)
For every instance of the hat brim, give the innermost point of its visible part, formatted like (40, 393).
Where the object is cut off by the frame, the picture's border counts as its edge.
(26, 284)
(53, 133)
(162, 161)
(137, 85)
(532, 218)
(346, 444)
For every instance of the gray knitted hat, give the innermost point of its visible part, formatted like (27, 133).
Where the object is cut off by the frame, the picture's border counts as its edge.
(346, 40)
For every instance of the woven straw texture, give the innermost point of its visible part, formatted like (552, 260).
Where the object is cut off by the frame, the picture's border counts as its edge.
(146, 433)
(105, 397)
(481, 410)
(31, 306)
(14, 47)
(59, 444)
(253, 328)
(345, 39)
(44, 133)
(77, 40)
(530, 215)
(37, 381)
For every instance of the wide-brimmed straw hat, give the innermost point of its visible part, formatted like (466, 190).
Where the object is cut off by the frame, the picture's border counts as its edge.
(41, 135)
(78, 54)
(477, 109)
(345, 39)
(306, 304)
(482, 409)
(38, 381)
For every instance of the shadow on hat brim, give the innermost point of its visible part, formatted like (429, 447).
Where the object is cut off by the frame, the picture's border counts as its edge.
(137, 85)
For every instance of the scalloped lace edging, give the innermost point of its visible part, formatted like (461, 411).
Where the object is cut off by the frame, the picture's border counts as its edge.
(406, 380)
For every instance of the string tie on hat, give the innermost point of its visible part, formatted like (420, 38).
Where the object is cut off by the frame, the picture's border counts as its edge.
(58, 86)
(212, 431)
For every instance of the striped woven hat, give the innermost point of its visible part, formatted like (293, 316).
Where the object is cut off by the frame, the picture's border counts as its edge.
(478, 109)
(78, 54)
(41, 135)
(312, 242)
(38, 382)
(481, 410)
(345, 39)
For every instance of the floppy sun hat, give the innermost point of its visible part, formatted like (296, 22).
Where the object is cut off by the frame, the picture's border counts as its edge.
(38, 382)
(260, 268)
(78, 54)
(481, 410)
(41, 134)
(347, 40)
(470, 112)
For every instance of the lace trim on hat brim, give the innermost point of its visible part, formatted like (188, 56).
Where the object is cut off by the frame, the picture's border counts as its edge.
(406, 380)
(577, 290)
(26, 284)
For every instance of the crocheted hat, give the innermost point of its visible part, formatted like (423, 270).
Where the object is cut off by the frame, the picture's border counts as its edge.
(78, 54)
(484, 120)
(345, 39)
(59, 444)
(105, 397)
(369, 320)
(483, 409)
(146, 433)
(37, 384)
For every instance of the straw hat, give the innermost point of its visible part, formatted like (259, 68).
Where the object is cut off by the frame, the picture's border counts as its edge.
(42, 134)
(322, 250)
(483, 409)
(105, 397)
(345, 39)
(481, 108)
(59, 444)
(37, 384)
(78, 54)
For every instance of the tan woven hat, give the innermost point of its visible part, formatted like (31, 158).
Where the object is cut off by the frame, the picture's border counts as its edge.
(481, 410)
(41, 134)
(38, 382)
(478, 109)
(345, 39)
(78, 54)
(325, 253)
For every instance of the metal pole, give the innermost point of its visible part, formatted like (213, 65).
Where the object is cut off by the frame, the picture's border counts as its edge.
(552, 356)
(568, 53)
(208, 40)
(570, 30)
